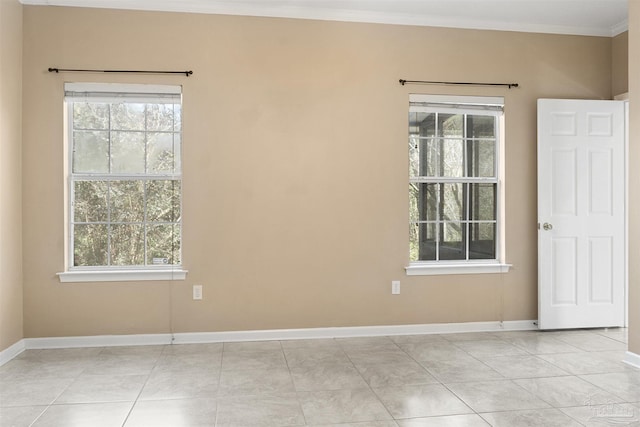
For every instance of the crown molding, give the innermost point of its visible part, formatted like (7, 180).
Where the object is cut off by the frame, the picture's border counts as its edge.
(620, 28)
(226, 7)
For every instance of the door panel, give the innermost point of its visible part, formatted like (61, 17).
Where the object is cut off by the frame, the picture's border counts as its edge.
(601, 182)
(565, 274)
(581, 179)
(601, 270)
(565, 199)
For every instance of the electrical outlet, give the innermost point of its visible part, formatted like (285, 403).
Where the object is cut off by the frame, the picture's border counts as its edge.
(395, 287)
(197, 292)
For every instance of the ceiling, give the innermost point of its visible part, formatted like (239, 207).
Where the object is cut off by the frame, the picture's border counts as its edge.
(580, 17)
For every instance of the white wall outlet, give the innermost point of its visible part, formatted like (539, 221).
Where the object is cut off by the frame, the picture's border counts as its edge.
(197, 292)
(395, 287)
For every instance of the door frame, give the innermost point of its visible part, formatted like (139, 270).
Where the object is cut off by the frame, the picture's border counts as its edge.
(625, 98)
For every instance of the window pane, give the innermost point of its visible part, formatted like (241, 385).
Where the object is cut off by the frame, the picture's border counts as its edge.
(90, 152)
(422, 124)
(482, 158)
(127, 152)
(177, 111)
(163, 201)
(163, 244)
(482, 242)
(414, 196)
(450, 125)
(127, 201)
(451, 157)
(162, 149)
(422, 240)
(452, 202)
(423, 156)
(177, 153)
(90, 201)
(452, 243)
(483, 202)
(127, 116)
(414, 156)
(452, 232)
(428, 202)
(127, 244)
(423, 202)
(423, 152)
(160, 117)
(90, 115)
(481, 126)
(414, 242)
(90, 245)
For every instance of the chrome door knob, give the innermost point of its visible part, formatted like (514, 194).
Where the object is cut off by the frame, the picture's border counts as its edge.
(547, 226)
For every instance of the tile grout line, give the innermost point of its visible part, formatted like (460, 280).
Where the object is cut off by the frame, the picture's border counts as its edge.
(135, 402)
(58, 396)
(403, 351)
(39, 416)
(215, 422)
(391, 417)
(295, 390)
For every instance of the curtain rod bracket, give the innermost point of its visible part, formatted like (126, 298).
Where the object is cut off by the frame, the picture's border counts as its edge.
(427, 82)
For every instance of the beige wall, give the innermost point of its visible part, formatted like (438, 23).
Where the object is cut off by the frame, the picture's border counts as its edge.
(11, 329)
(620, 63)
(634, 178)
(295, 159)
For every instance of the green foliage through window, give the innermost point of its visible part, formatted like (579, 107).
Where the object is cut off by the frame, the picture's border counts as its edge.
(126, 184)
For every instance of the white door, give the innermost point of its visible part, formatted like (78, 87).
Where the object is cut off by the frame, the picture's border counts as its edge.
(581, 214)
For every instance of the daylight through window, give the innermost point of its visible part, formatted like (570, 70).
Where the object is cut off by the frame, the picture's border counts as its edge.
(454, 178)
(125, 175)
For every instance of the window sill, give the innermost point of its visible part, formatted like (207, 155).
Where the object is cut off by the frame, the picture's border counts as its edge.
(442, 269)
(120, 275)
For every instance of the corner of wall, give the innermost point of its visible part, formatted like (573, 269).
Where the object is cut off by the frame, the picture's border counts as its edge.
(11, 283)
(620, 64)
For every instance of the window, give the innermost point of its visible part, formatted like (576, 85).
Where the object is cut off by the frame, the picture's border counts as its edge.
(454, 184)
(125, 178)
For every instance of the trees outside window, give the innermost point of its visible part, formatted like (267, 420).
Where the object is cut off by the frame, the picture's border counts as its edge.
(125, 175)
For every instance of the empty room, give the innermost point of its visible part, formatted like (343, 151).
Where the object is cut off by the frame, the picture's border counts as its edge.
(319, 213)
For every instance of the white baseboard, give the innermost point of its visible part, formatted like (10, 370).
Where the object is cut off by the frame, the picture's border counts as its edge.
(12, 351)
(276, 334)
(351, 332)
(96, 341)
(632, 359)
(272, 335)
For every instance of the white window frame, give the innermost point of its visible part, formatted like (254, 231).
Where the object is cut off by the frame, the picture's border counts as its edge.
(110, 92)
(467, 105)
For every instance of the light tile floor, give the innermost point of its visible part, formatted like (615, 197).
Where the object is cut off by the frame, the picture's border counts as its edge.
(529, 378)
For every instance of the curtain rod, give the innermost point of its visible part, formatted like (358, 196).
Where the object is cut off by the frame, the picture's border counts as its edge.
(426, 82)
(71, 70)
